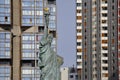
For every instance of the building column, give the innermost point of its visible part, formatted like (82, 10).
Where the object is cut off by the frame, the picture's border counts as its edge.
(16, 58)
(16, 33)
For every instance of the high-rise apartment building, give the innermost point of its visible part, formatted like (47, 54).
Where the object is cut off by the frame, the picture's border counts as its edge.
(97, 50)
(21, 28)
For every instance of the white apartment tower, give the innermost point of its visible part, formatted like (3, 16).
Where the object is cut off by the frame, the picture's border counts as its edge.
(97, 51)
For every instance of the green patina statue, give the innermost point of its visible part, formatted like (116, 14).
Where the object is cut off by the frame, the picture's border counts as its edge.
(49, 61)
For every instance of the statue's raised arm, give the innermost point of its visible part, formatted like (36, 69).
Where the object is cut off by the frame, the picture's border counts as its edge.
(46, 16)
(43, 41)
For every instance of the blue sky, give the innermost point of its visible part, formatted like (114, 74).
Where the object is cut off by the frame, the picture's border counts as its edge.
(66, 29)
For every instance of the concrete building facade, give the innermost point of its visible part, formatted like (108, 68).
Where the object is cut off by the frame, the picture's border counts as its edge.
(97, 52)
(21, 28)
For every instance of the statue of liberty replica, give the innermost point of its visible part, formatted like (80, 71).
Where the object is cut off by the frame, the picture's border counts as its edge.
(49, 61)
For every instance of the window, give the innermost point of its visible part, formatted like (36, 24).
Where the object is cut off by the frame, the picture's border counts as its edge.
(95, 2)
(94, 48)
(85, 37)
(53, 32)
(113, 1)
(85, 43)
(105, 68)
(85, 63)
(104, 1)
(94, 75)
(85, 70)
(79, 63)
(104, 8)
(105, 74)
(5, 41)
(32, 13)
(79, 11)
(113, 68)
(113, 61)
(79, 30)
(114, 74)
(5, 72)
(5, 15)
(29, 72)
(113, 54)
(104, 14)
(85, 56)
(79, 50)
(85, 23)
(78, 43)
(79, 57)
(105, 61)
(52, 9)
(85, 76)
(85, 30)
(76, 76)
(113, 7)
(104, 28)
(79, 4)
(104, 34)
(104, 21)
(113, 14)
(79, 24)
(113, 48)
(113, 41)
(113, 34)
(105, 54)
(79, 37)
(41, 29)
(85, 10)
(52, 24)
(94, 9)
(52, 17)
(104, 41)
(85, 4)
(79, 17)
(104, 48)
(29, 45)
(71, 76)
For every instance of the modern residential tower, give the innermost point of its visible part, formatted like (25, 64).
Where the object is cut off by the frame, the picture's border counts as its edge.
(21, 28)
(97, 50)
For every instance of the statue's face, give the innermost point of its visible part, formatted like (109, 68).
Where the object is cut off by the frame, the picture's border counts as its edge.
(50, 38)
